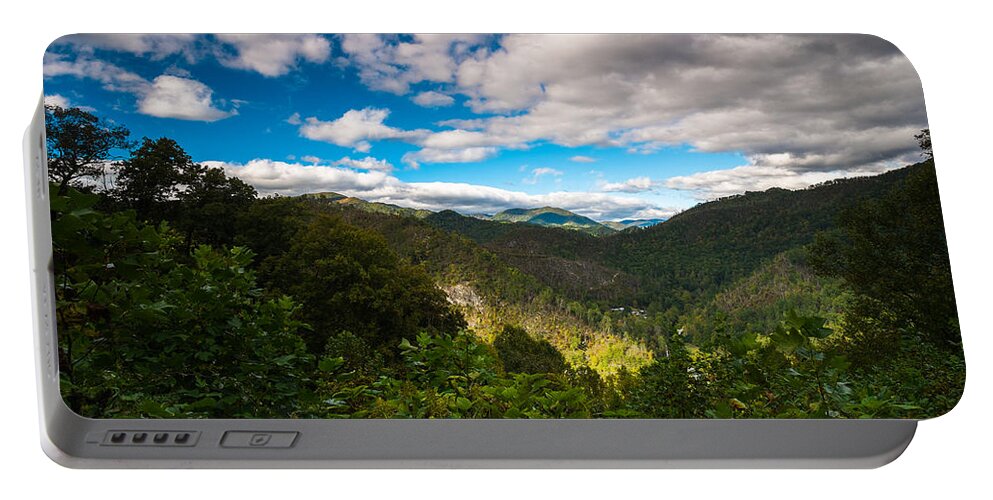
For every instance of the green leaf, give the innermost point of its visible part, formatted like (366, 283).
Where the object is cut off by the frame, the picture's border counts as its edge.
(463, 403)
(330, 364)
(153, 409)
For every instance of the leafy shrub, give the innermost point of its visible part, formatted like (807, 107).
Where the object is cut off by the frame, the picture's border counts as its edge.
(142, 334)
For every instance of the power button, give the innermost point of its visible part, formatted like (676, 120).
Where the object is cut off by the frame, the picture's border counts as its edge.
(258, 439)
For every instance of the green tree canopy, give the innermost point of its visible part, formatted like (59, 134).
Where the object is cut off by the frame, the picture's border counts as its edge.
(210, 206)
(79, 144)
(892, 253)
(350, 280)
(151, 179)
(160, 181)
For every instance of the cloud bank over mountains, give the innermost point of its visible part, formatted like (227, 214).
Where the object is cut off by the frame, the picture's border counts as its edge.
(364, 179)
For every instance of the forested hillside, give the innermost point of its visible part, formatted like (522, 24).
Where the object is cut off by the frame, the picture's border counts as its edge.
(183, 293)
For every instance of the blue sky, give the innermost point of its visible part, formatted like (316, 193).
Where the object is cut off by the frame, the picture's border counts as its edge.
(611, 127)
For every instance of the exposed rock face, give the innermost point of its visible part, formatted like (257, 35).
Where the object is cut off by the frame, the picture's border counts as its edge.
(463, 295)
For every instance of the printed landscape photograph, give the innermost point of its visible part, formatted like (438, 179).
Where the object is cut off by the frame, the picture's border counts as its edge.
(496, 226)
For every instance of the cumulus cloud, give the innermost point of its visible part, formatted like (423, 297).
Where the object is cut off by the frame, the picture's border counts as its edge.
(392, 64)
(182, 98)
(271, 55)
(435, 155)
(64, 102)
(367, 163)
(56, 100)
(112, 77)
(432, 99)
(167, 96)
(355, 129)
(633, 185)
(272, 177)
(582, 159)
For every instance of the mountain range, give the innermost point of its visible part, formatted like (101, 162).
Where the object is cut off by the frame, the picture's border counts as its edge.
(544, 216)
(532, 265)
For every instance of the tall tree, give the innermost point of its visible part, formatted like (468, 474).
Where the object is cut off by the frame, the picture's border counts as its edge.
(210, 205)
(152, 178)
(79, 144)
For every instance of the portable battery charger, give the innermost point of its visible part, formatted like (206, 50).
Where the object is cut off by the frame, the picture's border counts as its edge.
(486, 251)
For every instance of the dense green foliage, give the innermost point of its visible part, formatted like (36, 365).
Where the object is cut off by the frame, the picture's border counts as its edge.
(181, 293)
(147, 330)
(757, 302)
(906, 289)
(348, 279)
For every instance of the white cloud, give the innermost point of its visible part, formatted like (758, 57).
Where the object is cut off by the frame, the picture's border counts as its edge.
(582, 159)
(155, 46)
(56, 100)
(294, 119)
(272, 55)
(828, 103)
(64, 102)
(434, 155)
(268, 55)
(460, 138)
(392, 65)
(182, 98)
(714, 184)
(271, 177)
(292, 178)
(633, 185)
(367, 163)
(310, 159)
(432, 99)
(538, 173)
(795, 106)
(355, 128)
(853, 97)
(113, 78)
(167, 96)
